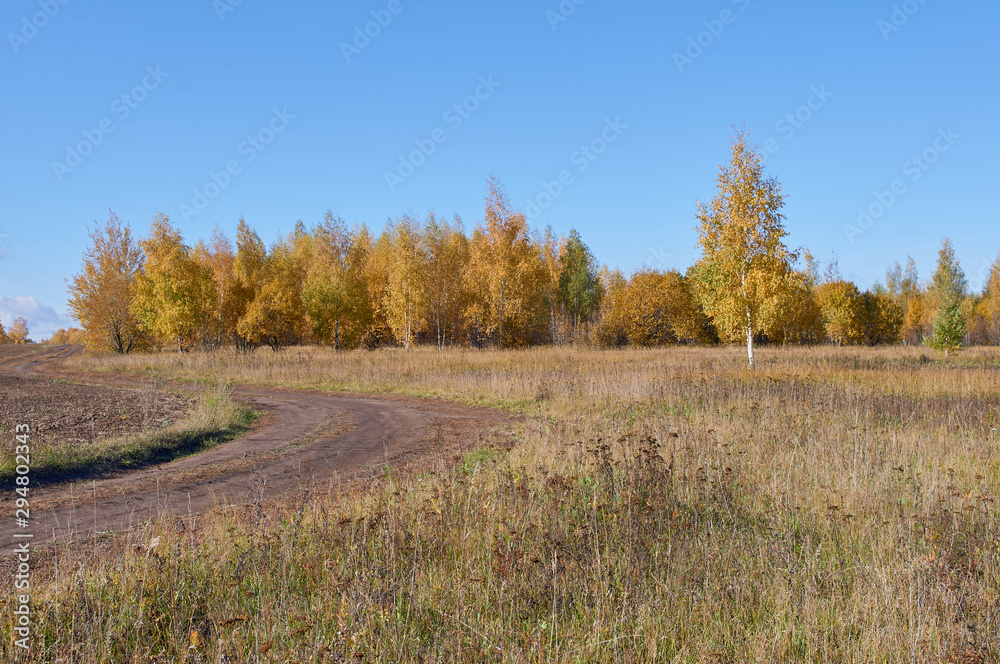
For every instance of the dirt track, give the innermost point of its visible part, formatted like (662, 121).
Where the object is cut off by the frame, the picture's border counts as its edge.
(307, 438)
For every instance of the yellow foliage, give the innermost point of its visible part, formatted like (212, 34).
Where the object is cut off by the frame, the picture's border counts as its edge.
(18, 333)
(101, 295)
(505, 275)
(651, 309)
(744, 261)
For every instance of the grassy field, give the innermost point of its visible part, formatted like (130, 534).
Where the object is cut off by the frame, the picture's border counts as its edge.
(836, 505)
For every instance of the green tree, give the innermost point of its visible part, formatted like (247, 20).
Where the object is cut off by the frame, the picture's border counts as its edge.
(741, 233)
(948, 284)
(949, 329)
(579, 285)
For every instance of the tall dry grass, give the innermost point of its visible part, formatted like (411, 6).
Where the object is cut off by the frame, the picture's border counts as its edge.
(835, 505)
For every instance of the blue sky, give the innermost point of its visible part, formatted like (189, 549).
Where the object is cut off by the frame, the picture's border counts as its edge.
(134, 107)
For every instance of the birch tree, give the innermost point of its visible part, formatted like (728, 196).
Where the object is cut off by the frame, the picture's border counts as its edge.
(406, 294)
(505, 273)
(174, 291)
(101, 294)
(447, 252)
(741, 233)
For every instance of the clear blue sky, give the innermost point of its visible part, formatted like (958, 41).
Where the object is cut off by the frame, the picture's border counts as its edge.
(220, 70)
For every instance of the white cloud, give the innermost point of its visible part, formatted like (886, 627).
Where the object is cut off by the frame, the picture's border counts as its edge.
(42, 319)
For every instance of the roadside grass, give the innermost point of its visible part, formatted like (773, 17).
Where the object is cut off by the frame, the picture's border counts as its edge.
(836, 505)
(215, 418)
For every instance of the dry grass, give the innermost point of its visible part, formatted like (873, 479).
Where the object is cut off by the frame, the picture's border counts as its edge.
(837, 505)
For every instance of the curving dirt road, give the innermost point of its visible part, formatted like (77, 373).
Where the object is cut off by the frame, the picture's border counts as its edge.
(307, 439)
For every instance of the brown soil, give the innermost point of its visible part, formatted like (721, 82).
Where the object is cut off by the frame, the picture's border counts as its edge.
(69, 413)
(306, 439)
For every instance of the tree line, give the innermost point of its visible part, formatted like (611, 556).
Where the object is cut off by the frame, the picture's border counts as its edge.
(18, 333)
(427, 281)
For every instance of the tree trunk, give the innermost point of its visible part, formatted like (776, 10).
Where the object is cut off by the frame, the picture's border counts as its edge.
(750, 346)
(336, 336)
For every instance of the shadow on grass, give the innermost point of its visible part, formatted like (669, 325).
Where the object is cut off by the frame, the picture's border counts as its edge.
(152, 449)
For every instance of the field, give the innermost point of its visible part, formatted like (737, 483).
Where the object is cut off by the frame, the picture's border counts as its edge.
(834, 505)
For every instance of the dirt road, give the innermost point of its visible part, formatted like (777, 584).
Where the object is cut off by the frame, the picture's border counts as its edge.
(307, 439)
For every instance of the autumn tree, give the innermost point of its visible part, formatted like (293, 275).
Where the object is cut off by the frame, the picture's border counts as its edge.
(276, 315)
(881, 317)
(101, 295)
(248, 276)
(4, 339)
(796, 317)
(334, 292)
(840, 302)
(219, 259)
(377, 267)
(904, 287)
(71, 336)
(612, 323)
(579, 285)
(18, 333)
(174, 292)
(741, 234)
(990, 304)
(551, 250)
(406, 299)
(447, 253)
(652, 308)
(504, 273)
